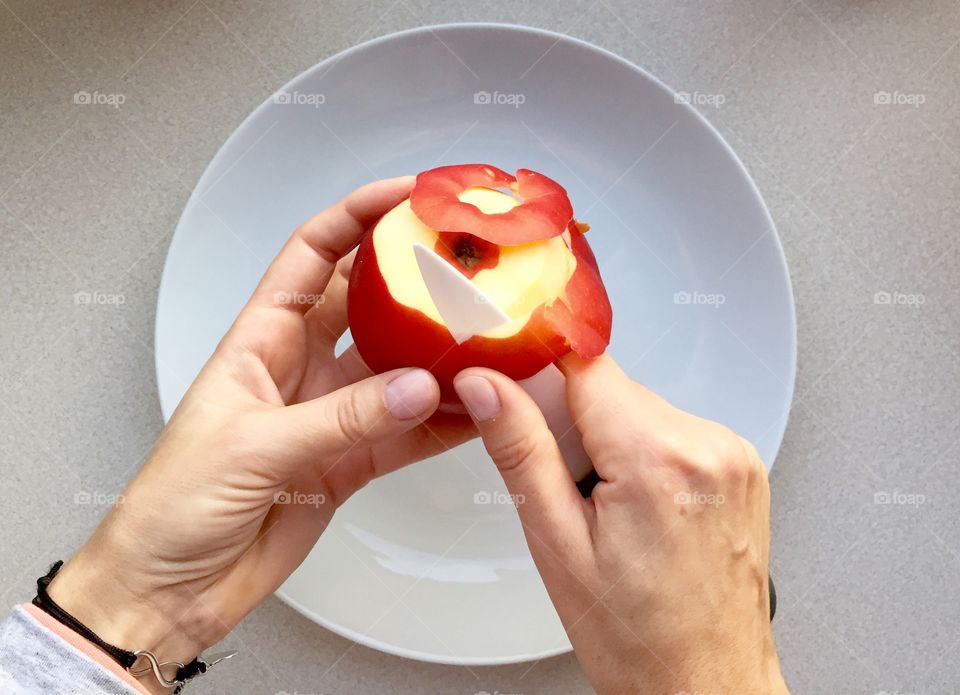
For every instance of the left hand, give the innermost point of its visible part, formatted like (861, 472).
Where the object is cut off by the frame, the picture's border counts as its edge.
(198, 541)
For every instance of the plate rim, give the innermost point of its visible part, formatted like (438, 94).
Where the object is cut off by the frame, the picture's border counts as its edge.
(416, 655)
(167, 409)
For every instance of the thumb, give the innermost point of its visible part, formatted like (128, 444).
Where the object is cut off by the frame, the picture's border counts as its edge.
(523, 448)
(355, 416)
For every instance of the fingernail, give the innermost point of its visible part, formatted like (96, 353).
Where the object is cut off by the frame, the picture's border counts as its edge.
(479, 396)
(411, 394)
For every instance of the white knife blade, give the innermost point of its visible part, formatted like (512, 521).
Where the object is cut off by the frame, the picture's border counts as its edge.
(465, 309)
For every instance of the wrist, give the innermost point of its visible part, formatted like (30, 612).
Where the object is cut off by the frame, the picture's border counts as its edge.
(110, 594)
(755, 671)
(778, 686)
(728, 665)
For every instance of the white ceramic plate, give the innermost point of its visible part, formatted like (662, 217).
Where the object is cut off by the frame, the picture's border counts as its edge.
(430, 563)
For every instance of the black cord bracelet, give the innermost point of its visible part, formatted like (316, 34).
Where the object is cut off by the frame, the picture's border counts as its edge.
(125, 658)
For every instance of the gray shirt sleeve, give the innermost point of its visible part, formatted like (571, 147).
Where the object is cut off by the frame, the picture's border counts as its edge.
(35, 661)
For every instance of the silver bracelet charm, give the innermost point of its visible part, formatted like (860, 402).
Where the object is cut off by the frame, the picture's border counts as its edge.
(153, 664)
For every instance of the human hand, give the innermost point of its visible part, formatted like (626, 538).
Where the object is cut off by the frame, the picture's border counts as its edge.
(198, 540)
(660, 576)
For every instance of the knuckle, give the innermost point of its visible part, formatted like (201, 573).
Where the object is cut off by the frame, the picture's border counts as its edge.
(750, 450)
(672, 448)
(516, 451)
(349, 417)
(722, 453)
(606, 494)
(752, 461)
(708, 451)
(627, 445)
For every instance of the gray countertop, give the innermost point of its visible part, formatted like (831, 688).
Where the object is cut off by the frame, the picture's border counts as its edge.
(866, 549)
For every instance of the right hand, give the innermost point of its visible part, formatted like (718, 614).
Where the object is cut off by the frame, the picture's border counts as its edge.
(660, 576)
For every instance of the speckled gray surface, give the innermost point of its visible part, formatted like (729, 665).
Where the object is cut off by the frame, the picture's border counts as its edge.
(864, 194)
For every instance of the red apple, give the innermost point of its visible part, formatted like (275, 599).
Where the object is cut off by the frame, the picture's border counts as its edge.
(528, 256)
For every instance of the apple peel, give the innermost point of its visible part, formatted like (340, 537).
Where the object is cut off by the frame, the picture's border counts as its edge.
(582, 315)
(545, 210)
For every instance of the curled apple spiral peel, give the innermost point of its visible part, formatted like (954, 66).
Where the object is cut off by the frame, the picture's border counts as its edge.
(545, 210)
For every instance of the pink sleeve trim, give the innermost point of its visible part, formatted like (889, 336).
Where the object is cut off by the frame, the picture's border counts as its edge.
(90, 650)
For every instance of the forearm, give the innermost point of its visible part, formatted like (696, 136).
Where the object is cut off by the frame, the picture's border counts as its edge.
(102, 588)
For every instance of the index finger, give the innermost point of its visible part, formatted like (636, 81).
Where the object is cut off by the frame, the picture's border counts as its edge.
(300, 272)
(618, 418)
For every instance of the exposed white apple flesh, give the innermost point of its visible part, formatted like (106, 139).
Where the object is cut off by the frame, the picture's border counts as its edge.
(525, 276)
